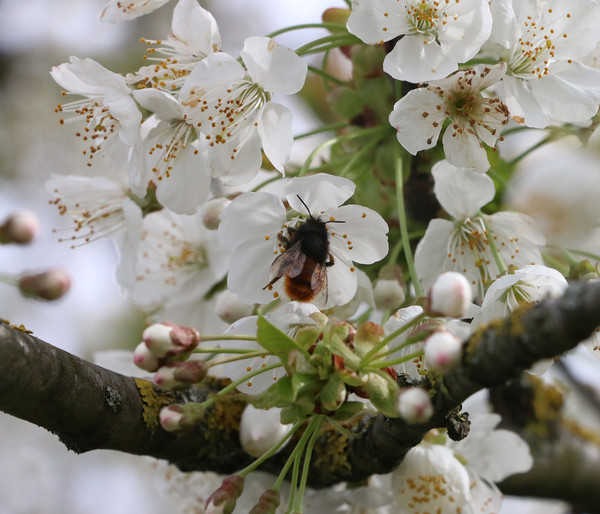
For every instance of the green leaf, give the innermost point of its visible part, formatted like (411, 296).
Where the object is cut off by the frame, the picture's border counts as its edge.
(272, 339)
(280, 394)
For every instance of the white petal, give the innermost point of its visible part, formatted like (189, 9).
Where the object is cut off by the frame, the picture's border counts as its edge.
(463, 149)
(522, 104)
(164, 105)
(569, 93)
(342, 282)
(461, 192)
(415, 480)
(250, 271)
(319, 192)
(493, 454)
(365, 230)
(86, 77)
(187, 187)
(417, 58)
(234, 165)
(251, 217)
(431, 251)
(418, 118)
(275, 129)
(196, 27)
(369, 22)
(275, 68)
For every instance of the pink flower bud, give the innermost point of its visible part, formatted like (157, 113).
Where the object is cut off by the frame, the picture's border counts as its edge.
(144, 359)
(223, 500)
(267, 503)
(261, 429)
(450, 295)
(166, 340)
(442, 350)
(414, 405)
(20, 227)
(230, 309)
(212, 212)
(47, 285)
(179, 375)
(172, 418)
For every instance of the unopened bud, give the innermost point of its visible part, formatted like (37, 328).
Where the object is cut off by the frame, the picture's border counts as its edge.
(229, 308)
(261, 429)
(450, 295)
(180, 417)
(369, 333)
(172, 418)
(47, 285)
(144, 359)
(414, 405)
(442, 350)
(20, 227)
(267, 503)
(212, 212)
(337, 15)
(223, 500)
(167, 339)
(388, 294)
(179, 375)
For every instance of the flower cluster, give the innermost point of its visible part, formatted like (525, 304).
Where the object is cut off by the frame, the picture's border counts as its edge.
(344, 285)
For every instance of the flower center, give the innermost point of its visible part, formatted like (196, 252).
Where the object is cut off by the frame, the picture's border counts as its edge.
(230, 113)
(535, 50)
(424, 16)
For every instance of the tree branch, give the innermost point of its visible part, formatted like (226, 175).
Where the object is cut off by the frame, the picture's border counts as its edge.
(89, 407)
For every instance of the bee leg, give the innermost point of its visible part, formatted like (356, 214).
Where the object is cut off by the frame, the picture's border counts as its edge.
(268, 286)
(331, 260)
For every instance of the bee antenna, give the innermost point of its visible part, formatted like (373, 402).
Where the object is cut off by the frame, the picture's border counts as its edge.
(309, 213)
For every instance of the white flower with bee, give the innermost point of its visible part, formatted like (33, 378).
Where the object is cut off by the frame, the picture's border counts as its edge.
(304, 254)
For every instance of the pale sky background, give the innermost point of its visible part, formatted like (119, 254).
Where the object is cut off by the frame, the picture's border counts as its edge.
(37, 474)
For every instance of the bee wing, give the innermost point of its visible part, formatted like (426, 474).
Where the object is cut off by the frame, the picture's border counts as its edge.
(289, 263)
(318, 284)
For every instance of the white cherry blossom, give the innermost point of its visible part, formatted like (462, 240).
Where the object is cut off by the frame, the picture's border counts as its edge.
(543, 44)
(98, 207)
(108, 109)
(465, 244)
(194, 35)
(418, 117)
(256, 224)
(168, 155)
(436, 36)
(526, 285)
(176, 262)
(232, 107)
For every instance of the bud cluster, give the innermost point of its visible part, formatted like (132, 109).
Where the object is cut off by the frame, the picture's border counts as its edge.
(165, 348)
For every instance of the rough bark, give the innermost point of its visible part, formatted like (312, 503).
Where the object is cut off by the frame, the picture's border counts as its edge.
(89, 407)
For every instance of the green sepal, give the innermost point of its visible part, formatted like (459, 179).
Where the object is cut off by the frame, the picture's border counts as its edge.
(304, 383)
(347, 410)
(333, 393)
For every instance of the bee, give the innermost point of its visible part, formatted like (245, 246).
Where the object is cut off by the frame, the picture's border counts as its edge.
(305, 260)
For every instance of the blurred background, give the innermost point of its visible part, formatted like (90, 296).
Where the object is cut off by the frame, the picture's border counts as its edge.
(37, 474)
